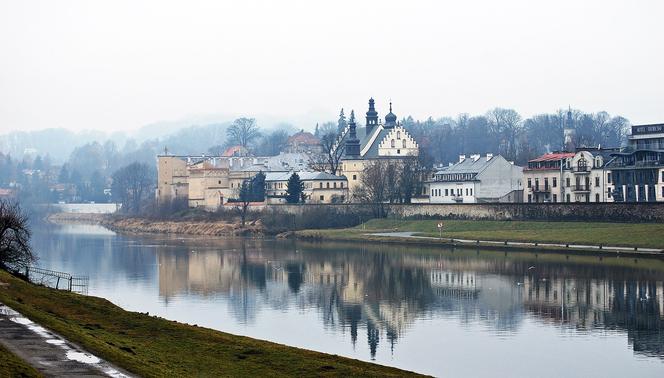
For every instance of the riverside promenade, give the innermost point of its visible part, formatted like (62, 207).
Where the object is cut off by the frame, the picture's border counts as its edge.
(49, 353)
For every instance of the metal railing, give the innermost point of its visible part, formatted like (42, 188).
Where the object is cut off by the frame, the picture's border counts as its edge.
(57, 280)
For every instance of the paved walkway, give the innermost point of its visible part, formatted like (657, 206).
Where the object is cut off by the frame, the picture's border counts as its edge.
(408, 234)
(48, 352)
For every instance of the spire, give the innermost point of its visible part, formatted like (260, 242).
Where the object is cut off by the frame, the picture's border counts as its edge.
(352, 143)
(372, 116)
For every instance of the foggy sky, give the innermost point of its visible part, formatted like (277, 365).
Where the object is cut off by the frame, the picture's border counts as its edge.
(123, 64)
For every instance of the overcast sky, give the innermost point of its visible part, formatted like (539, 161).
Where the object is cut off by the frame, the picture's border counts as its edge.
(118, 65)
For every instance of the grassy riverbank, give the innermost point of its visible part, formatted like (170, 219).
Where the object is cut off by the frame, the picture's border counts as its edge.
(647, 235)
(155, 347)
(13, 366)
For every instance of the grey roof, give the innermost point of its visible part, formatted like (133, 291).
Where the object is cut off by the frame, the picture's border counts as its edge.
(304, 176)
(468, 165)
(284, 162)
(364, 138)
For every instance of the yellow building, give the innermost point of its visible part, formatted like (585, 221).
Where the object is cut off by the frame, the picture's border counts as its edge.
(209, 181)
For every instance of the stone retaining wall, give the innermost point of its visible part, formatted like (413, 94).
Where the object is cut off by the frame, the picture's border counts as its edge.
(610, 212)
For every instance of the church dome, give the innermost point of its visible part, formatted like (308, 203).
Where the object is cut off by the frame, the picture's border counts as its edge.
(390, 118)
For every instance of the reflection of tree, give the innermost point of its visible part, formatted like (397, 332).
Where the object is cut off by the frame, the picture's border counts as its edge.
(385, 292)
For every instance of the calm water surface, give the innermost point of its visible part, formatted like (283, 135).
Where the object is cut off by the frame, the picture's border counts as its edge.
(435, 311)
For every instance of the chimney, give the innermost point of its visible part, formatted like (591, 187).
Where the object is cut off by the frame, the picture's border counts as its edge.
(462, 158)
(488, 156)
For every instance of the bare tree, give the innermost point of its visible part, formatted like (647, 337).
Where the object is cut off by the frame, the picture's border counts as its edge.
(243, 132)
(330, 158)
(132, 185)
(373, 189)
(14, 236)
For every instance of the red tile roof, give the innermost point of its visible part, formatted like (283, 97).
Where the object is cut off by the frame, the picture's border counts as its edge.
(553, 156)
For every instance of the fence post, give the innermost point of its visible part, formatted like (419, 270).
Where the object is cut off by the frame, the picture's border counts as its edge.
(70, 278)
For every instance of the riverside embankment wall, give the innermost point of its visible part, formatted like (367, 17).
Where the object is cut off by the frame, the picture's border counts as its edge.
(608, 212)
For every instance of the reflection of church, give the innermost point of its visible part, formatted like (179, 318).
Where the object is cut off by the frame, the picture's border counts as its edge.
(380, 295)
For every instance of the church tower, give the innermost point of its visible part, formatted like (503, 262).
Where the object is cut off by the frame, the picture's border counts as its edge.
(390, 119)
(569, 132)
(372, 117)
(352, 143)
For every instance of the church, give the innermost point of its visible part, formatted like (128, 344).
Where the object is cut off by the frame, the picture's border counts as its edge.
(375, 141)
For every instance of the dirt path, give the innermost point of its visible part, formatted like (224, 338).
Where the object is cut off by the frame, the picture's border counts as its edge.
(48, 352)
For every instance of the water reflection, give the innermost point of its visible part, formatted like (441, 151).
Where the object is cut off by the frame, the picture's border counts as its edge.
(380, 296)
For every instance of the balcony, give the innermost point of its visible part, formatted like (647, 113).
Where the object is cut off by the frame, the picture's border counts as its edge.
(539, 189)
(581, 170)
(581, 188)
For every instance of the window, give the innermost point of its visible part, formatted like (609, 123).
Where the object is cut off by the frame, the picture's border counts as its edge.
(555, 183)
(567, 182)
(530, 198)
(354, 177)
(327, 185)
(555, 198)
(608, 192)
(446, 194)
(567, 198)
(398, 134)
(219, 182)
(662, 176)
(597, 197)
(529, 183)
(398, 152)
(320, 185)
(546, 183)
(536, 184)
(471, 191)
(403, 143)
(335, 185)
(342, 184)
(466, 191)
(393, 143)
(608, 177)
(596, 181)
(322, 198)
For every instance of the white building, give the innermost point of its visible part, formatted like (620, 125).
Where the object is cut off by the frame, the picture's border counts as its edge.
(477, 179)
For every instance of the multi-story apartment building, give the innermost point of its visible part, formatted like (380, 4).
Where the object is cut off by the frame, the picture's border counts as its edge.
(580, 176)
(477, 179)
(638, 170)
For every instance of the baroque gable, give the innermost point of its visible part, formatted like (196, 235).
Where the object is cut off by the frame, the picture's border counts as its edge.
(397, 141)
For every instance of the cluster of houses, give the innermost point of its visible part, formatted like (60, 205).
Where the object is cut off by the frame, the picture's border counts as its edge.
(634, 173)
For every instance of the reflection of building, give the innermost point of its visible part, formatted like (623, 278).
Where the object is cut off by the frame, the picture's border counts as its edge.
(370, 292)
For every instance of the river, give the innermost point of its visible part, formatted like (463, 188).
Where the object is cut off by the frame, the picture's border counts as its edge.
(431, 310)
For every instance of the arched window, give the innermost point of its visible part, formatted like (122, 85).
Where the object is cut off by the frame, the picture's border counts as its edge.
(403, 143)
(398, 134)
(393, 143)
